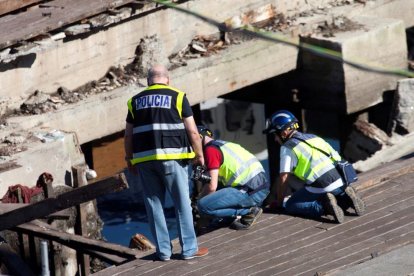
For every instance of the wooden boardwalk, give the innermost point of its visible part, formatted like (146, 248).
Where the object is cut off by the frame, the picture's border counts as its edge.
(284, 245)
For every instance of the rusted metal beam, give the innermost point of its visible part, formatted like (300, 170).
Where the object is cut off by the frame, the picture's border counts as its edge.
(63, 201)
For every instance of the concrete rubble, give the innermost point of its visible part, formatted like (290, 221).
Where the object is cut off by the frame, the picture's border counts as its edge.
(405, 107)
(203, 60)
(68, 87)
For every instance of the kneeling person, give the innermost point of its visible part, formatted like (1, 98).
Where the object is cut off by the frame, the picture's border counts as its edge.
(309, 158)
(238, 182)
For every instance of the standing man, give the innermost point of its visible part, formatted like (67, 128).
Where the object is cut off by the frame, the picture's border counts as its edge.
(302, 157)
(161, 137)
(243, 183)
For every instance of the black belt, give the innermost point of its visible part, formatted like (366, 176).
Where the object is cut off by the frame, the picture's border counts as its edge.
(250, 191)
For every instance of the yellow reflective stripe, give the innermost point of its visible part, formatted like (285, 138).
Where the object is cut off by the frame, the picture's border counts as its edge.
(304, 155)
(170, 156)
(244, 172)
(163, 86)
(311, 161)
(129, 103)
(180, 98)
(253, 173)
(320, 168)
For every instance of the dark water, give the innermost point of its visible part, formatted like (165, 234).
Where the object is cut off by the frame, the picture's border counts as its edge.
(123, 214)
(119, 227)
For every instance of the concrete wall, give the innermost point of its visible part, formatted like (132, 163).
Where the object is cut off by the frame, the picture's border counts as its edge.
(378, 42)
(105, 113)
(74, 62)
(56, 156)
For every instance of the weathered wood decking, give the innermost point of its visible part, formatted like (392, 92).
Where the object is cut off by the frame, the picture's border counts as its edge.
(284, 245)
(48, 16)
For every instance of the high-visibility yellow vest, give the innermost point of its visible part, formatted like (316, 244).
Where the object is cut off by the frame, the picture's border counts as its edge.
(159, 132)
(239, 166)
(314, 167)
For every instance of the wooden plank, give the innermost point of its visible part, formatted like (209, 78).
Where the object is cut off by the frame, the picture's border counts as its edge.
(241, 250)
(326, 243)
(63, 201)
(79, 180)
(45, 231)
(109, 258)
(50, 16)
(384, 173)
(363, 245)
(394, 240)
(355, 239)
(32, 252)
(7, 207)
(7, 6)
(279, 242)
(268, 249)
(13, 262)
(306, 249)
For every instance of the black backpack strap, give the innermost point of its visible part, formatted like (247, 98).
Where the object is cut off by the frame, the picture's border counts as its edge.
(324, 152)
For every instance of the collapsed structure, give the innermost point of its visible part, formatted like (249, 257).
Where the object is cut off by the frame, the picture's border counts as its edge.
(72, 68)
(67, 69)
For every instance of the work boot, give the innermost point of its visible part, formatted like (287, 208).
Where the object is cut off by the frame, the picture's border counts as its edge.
(357, 203)
(252, 216)
(331, 207)
(217, 222)
(202, 251)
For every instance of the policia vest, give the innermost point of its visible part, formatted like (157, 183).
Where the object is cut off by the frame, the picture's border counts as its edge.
(314, 167)
(239, 166)
(159, 132)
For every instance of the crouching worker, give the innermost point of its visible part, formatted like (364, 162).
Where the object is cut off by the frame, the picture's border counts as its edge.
(238, 183)
(310, 159)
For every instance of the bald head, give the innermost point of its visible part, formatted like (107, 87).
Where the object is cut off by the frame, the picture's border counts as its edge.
(158, 74)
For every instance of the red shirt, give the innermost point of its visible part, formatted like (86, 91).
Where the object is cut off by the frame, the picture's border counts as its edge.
(213, 157)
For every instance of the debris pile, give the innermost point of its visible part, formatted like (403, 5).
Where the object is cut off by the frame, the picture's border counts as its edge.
(200, 46)
(40, 102)
(12, 144)
(147, 53)
(265, 18)
(335, 25)
(364, 141)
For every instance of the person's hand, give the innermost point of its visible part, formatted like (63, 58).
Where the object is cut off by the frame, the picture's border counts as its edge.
(131, 168)
(275, 207)
(198, 160)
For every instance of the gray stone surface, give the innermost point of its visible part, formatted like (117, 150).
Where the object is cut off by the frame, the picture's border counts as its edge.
(405, 105)
(397, 262)
(367, 41)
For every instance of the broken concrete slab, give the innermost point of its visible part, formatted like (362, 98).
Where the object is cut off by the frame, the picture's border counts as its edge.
(405, 107)
(234, 68)
(105, 113)
(378, 41)
(56, 155)
(364, 140)
(87, 119)
(398, 9)
(400, 146)
(78, 61)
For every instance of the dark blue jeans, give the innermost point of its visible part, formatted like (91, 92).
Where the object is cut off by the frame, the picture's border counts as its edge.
(230, 202)
(309, 204)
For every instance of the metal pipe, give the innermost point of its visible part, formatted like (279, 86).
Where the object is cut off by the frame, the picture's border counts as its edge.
(44, 252)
